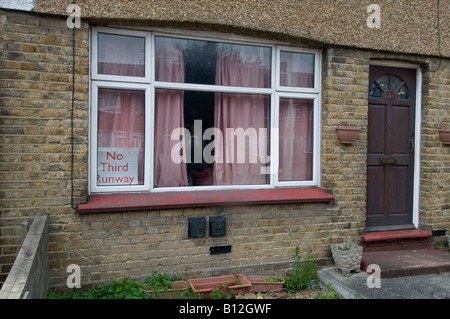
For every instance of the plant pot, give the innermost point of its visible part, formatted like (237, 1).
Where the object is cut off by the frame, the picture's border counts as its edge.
(445, 135)
(176, 289)
(347, 257)
(347, 134)
(227, 284)
(260, 284)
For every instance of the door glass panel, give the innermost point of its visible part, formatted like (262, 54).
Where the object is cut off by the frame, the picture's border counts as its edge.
(403, 93)
(375, 91)
(391, 85)
(395, 82)
(398, 86)
(383, 82)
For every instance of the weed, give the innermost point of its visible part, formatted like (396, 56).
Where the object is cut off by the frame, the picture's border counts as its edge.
(221, 293)
(331, 293)
(117, 289)
(129, 289)
(303, 274)
(273, 279)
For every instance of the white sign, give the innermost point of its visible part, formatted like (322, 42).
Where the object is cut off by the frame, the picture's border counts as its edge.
(117, 166)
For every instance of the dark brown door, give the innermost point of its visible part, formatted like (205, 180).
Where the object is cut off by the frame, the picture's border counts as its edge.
(390, 153)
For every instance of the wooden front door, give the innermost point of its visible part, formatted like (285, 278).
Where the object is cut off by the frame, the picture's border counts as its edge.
(390, 149)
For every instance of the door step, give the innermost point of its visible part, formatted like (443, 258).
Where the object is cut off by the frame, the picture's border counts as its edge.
(403, 253)
(396, 240)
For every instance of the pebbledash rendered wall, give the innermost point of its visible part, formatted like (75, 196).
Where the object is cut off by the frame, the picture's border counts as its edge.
(39, 163)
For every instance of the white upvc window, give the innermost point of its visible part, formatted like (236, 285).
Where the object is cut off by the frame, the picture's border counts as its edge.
(176, 112)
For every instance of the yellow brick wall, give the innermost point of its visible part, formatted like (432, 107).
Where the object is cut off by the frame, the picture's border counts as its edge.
(35, 130)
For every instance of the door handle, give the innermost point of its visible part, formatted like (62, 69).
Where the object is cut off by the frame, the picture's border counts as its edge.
(411, 145)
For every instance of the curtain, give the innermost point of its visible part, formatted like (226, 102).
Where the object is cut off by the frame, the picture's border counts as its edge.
(121, 55)
(296, 118)
(169, 114)
(297, 69)
(295, 145)
(121, 122)
(121, 113)
(239, 65)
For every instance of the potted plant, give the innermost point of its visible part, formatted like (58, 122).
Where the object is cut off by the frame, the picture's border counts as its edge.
(347, 257)
(445, 135)
(265, 283)
(230, 285)
(347, 134)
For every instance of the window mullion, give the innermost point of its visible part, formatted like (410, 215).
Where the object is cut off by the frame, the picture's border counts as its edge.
(210, 88)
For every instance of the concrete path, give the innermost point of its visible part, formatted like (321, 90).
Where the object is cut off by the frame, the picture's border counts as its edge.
(434, 286)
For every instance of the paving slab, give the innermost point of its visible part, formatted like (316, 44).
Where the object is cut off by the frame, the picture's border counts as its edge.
(429, 286)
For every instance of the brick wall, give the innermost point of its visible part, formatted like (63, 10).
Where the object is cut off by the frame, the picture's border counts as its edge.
(35, 129)
(345, 81)
(434, 202)
(35, 169)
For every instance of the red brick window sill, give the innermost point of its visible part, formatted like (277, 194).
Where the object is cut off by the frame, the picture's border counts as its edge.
(103, 203)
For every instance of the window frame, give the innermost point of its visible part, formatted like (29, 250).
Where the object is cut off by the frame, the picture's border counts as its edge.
(121, 78)
(317, 64)
(149, 84)
(148, 137)
(315, 146)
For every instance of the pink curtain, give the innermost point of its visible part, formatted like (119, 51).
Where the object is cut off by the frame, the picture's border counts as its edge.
(240, 66)
(121, 121)
(121, 55)
(121, 113)
(169, 113)
(297, 69)
(296, 119)
(295, 145)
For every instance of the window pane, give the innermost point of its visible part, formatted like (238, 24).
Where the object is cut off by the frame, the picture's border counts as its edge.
(243, 65)
(213, 63)
(121, 55)
(120, 137)
(297, 69)
(296, 139)
(169, 65)
(207, 138)
(242, 155)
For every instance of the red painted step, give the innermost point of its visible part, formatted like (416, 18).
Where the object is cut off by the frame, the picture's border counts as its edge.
(407, 262)
(403, 253)
(395, 234)
(396, 240)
